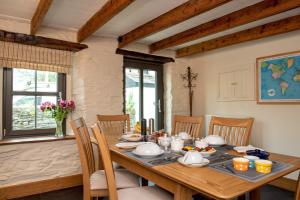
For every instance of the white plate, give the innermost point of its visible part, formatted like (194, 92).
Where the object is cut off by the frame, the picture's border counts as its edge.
(130, 138)
(204, 154)
(243, 149)
(204, 163)
(148, 156)
(128, 145)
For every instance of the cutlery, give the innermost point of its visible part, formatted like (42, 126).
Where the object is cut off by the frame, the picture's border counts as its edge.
(228, 168)
(164, 160)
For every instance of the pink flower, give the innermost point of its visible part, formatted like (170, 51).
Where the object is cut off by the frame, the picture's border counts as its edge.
(42, 107)
(46, 106)
(71, 104)
(62, 103)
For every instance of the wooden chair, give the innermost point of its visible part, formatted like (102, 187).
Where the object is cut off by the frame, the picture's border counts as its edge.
(236, 131)
(94, 181)
(114, 124)
(145, 193)
(191, 125)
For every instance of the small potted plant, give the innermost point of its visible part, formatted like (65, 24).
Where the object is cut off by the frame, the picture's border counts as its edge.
(59, 112)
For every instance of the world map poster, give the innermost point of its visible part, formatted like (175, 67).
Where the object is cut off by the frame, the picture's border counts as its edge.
(278, 79)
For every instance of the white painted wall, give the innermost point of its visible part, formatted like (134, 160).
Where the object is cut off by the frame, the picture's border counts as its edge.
(96, 85)
(276, 127)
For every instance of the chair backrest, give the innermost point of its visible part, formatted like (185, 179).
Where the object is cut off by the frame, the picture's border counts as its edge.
(107, 163)
(114, 124)
(235, 131)
(191, 125)
(84, 147)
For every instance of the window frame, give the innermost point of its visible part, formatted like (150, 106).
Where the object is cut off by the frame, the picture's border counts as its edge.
(8, 94)
(145, 65)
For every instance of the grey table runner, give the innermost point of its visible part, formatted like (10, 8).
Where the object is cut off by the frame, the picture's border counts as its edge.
(217, 162)
(251, 175)
(166, 158)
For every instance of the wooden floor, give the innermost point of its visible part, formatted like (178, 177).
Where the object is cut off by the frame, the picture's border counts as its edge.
(268, 193)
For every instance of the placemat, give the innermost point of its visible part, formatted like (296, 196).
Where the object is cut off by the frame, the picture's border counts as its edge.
(225, 147)
(219, 157)
(166, 158)
(250, 175)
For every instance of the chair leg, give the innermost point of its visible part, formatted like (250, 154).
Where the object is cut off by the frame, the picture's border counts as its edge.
(297, 194)
(86, 194)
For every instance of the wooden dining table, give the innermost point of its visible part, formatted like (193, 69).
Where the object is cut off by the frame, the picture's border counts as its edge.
(184, 182)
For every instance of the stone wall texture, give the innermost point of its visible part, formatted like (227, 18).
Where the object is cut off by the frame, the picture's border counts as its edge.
(96, 85)
(23, 163)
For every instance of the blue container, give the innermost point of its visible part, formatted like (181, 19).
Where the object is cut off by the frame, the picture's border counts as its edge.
(251, 161)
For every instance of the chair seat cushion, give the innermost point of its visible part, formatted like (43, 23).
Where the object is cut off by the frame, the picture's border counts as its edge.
(124, 179)
(145, 193)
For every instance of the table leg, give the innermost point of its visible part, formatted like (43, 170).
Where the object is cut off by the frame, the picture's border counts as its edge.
(255, 194)
(144, 182)
(183, 193)
(297, 194)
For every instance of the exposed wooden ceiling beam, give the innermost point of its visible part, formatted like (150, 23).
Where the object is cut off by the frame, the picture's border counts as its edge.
(40, 41)
(39, 15)
(170, 18)
(270, 29)
(246, 15)
(108, 11)
(144, 56)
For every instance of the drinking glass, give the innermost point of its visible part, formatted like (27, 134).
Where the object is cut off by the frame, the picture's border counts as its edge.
(165, 142)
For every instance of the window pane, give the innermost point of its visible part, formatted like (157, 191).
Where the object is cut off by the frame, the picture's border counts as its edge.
(150, 87)
(132, 91)
(44, 120)
(23, 80)
(23, 116)
(46, 81)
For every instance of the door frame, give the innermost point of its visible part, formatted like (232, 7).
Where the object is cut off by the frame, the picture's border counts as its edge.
(144, 65)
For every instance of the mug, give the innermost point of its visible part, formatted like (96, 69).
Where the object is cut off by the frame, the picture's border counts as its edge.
(240, 164)
(251, 161)
(192, 157)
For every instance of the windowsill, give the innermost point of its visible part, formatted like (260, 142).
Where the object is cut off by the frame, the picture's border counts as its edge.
(34, 139)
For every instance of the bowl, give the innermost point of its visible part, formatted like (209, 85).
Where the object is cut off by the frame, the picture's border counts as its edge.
(263, 166)
(259, 153)
(148, 148)
(192, 157)
(240, 163)
(201, 144)
(184, 135)
(215, 140)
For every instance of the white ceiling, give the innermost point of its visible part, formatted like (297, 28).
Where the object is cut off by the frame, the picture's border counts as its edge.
(72, 14)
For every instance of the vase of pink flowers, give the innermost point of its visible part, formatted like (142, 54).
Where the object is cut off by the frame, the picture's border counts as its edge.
(59, 112)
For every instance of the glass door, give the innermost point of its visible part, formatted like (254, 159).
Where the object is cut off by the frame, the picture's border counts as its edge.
(143, 91)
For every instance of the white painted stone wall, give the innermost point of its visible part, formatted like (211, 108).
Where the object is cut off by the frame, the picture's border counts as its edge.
(96, 85)
(23, 163)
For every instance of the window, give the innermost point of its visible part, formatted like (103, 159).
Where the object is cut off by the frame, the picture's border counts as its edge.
(24, 91)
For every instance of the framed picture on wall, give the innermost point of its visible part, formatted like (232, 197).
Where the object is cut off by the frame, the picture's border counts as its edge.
(278, 79)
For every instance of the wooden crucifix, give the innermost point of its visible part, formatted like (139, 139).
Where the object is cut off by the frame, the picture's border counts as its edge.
(190, 77)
